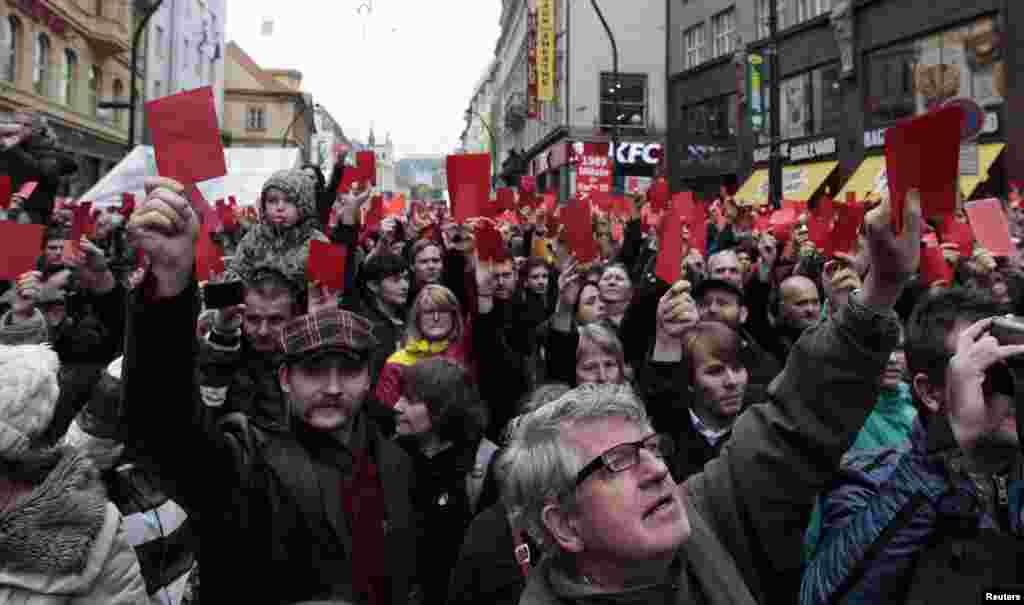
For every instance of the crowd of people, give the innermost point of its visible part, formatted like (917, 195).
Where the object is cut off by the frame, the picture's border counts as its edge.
(777, 426)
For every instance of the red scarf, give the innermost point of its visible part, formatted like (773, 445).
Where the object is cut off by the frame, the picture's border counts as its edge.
(363, 498)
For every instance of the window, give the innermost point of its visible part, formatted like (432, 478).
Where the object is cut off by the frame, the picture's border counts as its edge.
(693, 43)
(159, 35)
(95, 87)
(632, 102)
(811, 103)
(712, 121)
(41, 65)
(762, 14)
(10, 32)
(908, 79)
(723, 28)
(69, 83)
(118, 96)
(809, 9)
(256, 119)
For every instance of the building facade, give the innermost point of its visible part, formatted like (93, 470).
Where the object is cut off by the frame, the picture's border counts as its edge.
(328, 137)
(61, 58)
(849, 70)
(185, 49)
(541, 138)
(265, 107)
(479, 135)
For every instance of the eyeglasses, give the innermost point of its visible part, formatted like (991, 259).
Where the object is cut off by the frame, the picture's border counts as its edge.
(429, 312)
(626, 455)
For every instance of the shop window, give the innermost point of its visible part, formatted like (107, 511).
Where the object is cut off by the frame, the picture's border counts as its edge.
(41, 74)
(811, 103)
(723, 28)
(693, 46)
(911, 78)
(69, 83)
(10, 36)
(256, 118)
(632, 102)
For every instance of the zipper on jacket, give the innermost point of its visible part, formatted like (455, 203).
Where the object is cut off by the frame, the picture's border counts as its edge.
(1003, 499)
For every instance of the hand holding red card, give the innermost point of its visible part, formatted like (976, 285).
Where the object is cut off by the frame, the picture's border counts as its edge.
(924, 153)
(186, 138)
(579, 231)
(326, 265)
(490, 247)
(990, 226)
(934, 267)
(469, 186)
(670, 244)
(22, 244)
(952, 231)
(845, 233)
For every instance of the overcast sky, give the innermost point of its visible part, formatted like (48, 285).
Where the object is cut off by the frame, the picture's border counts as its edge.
(407, 66)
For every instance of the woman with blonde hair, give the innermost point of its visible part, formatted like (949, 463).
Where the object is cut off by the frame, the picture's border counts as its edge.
(436, 327)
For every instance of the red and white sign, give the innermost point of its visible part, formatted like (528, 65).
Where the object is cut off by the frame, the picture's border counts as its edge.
(593, 168)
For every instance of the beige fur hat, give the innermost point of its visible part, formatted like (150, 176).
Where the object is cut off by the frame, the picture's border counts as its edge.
(28, 395)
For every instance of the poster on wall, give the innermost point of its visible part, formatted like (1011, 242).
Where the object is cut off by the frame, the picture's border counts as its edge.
(593, 168)
(795, 108)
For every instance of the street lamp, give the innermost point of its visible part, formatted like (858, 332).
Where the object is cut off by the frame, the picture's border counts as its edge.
(494, 142)
(148, 10)
(615, 92)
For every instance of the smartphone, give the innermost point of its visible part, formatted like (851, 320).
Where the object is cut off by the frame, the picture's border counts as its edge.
(223, 295)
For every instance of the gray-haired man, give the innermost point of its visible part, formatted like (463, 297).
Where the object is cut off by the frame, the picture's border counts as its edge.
(588, 476)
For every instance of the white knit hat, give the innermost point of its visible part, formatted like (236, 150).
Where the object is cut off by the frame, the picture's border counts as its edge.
(28, 394)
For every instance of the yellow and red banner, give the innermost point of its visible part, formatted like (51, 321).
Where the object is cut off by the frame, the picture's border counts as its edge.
(545, 50)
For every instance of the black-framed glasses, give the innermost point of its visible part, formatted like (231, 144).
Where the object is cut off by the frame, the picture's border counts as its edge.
(625, 456)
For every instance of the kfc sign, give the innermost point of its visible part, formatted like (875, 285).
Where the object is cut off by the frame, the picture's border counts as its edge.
(633, 153)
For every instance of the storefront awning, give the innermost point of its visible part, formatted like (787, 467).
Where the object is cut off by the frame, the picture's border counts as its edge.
(800, 182)
(866, 180)
(987, 155)
(754, 191)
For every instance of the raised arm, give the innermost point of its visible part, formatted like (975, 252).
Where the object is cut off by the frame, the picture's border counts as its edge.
(759, 493)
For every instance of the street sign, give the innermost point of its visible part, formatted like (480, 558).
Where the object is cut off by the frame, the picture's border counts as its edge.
(756, 106)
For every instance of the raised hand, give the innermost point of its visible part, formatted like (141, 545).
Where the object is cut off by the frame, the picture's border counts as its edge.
(893, 258)
(166, 229)
(677, 311)
(321, 299)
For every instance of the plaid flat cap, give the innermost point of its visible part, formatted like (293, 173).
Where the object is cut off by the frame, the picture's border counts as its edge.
(336, 331)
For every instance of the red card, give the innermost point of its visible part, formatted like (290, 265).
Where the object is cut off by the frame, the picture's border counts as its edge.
(550, 201)
(127, 204)
(326, 265)
(527, 184)
(506, 199)
(469, 188)
(22, 244)
(490, 246)
(844, 235)
(783, 222)
(365, 171)
(818, 230)
(924, 153)
(934, 266)
(952, 231)
(5, 191)
(209, 256)
(990, 226)
(395, 206)
(670, 245)
(617, 231)
(699, 234)
(186, 138)
(659, 194)
(375, 214)
(28, 189)
(579, 231)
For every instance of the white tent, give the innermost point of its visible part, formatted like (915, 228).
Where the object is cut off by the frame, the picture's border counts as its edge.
(248, 169)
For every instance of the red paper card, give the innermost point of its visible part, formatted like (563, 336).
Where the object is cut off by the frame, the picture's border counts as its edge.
(127, 204)
(990, 226)
(579, 231)
(28, 189)
(506, 199)
(699, 235)
(5, 191)
(659, 194)
(326, 265)
(490, 247)
(934, 266)
(527, 184)
(844, 235)
(186, 138)
(209, 257)
(375, 213)
(22, 244)
(818, 230)
(469, 188)
(783, 222)
(952, 231)
(924, 153)
(670, 245)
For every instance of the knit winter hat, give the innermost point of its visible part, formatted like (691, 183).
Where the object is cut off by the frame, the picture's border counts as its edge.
(28, 395)
(299, 188)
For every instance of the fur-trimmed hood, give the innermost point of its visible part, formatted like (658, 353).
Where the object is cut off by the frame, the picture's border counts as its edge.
(56, 538)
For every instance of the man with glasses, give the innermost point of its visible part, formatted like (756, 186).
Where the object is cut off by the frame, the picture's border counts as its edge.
(588, 478)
